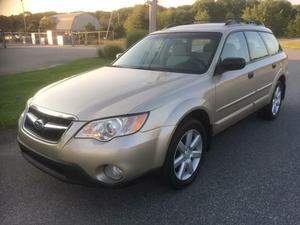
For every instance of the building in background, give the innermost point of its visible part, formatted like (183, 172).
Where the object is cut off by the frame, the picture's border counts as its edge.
(68, 28)
(74, 22)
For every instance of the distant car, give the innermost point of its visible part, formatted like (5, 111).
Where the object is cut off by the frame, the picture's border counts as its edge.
(157, 106)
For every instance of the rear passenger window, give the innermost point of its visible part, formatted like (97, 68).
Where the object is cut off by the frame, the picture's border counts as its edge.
(271, 42)
(235, 47)
(257, 47)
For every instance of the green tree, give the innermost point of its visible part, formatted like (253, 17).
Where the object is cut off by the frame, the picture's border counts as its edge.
(251, 13)
(47, 24)
(232, 8)
(117, 22)
(202, 16)
(297, 7)
(5, 23)
(294, 27)
(33, 20)
(103, 18)
(167, 17)
(213, 8)
(251, 3)
(275, 14)
(138, 19)
(230, 15)
(184, 15)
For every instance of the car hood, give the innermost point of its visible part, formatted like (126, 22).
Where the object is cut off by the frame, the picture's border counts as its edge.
(110, 91)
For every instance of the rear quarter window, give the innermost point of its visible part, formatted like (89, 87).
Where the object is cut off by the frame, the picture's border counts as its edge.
(271, 42)
(257, 47)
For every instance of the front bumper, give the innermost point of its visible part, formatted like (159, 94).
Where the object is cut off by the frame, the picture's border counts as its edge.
(61, 170)
(83, 160)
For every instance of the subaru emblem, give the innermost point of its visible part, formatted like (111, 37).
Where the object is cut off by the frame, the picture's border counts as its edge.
(39, 124)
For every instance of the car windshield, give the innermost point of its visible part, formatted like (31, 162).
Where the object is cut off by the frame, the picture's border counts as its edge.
(174, 52)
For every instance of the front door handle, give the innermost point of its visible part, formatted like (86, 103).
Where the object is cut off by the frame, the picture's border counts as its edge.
(274, 66)
(250, 75)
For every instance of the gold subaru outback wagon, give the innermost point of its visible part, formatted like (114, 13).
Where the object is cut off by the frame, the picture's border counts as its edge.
(156, 106)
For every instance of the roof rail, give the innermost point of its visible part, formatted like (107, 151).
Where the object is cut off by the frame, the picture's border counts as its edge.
(169, 26)
(208, 21)
(173, 25)
(228, 22)
(242, 21)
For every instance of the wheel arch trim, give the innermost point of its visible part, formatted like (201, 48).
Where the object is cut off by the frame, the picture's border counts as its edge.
(182, 112)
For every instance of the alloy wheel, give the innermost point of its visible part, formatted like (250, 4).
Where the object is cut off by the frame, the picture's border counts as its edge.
(188, 154)
(276, 102)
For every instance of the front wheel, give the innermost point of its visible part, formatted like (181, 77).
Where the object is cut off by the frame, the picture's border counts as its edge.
(271, 111)
(185, 154)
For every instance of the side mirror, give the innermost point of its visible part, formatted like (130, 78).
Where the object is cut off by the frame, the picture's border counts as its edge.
(118, 55)
(229, 64)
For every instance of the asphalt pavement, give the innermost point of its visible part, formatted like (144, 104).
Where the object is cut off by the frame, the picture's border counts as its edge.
(251, 175)
(20, 58)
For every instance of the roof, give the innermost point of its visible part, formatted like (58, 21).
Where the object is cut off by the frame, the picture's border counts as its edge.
(214, 27)
(65, 21)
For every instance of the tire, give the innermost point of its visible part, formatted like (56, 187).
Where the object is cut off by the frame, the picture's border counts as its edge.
(271, 111)
(182, 164)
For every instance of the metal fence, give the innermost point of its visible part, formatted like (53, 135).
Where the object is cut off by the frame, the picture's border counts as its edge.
(59, 38)
(16, 38)
(92, 37)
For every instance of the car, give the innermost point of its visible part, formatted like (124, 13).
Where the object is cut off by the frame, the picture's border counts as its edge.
(157, 106)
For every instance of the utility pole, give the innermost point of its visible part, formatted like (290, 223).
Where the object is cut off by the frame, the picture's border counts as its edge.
(109, 22)
(152, 15)
(24, 19)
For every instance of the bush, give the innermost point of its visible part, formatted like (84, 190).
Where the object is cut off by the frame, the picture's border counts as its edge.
(100, 53)
(119, 31)
(109, 51)
(134, 37)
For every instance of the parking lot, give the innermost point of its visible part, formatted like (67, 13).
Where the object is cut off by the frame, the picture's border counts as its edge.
(19, 58)
(250, 176)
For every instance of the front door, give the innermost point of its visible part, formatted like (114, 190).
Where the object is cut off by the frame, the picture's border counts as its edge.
(235, 90)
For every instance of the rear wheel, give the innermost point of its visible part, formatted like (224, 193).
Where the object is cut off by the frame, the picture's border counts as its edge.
(271, 111)
(185, 154)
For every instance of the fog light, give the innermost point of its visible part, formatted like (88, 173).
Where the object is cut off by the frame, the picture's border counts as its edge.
(113, 172)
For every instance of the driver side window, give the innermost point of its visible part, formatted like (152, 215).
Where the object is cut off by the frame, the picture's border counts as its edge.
(236, 47)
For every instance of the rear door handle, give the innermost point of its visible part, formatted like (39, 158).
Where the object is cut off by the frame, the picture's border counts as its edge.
(250, 75)
(274, 66)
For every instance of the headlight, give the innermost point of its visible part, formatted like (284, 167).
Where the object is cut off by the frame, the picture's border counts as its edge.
(107, 129)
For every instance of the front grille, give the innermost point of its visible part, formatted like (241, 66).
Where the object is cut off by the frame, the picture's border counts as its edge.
(46, 125)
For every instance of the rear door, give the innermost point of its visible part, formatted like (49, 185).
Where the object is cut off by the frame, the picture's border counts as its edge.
(275, 61)
(263, 65)
(234, 89)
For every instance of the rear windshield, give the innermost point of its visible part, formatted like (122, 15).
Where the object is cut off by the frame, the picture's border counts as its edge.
(174, 52)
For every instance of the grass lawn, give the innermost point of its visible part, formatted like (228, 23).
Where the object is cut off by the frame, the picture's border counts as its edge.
(120, 42)
(16, 89)
(290, 43)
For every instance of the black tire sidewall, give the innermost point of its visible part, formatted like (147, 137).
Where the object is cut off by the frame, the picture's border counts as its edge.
(271, 103)
(266, 112)
(168, 168)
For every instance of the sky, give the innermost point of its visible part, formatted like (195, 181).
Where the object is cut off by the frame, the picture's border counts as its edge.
(9, 7)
